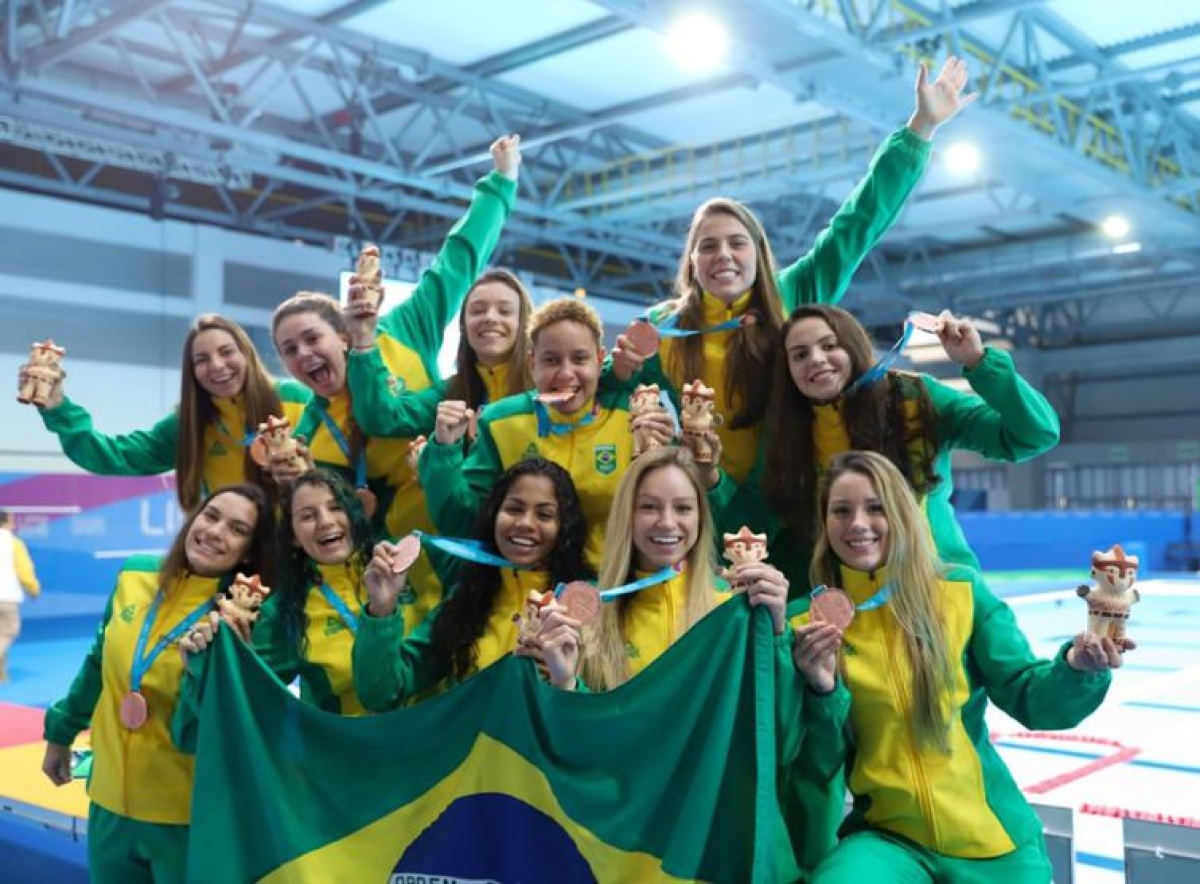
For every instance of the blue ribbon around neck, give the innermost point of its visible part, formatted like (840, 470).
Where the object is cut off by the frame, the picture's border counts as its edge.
(668, 328)
(878, 600)
(885, 362)
(360, 466)
(142, 661)
(469, 549)
(339, 605)
(659, 576)
(547, 427)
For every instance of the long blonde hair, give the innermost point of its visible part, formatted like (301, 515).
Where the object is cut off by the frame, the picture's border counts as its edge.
(914, 573)
(605, 663)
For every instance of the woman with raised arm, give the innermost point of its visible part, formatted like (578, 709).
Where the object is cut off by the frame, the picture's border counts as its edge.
(224, 394)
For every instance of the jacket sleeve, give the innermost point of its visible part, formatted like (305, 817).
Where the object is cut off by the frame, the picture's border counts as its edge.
(1007, 419)
(73, 713)
(389, 668)
(823, 275)
(140, 453)
(420, 321)
(381, 413)
(1040, 694)
(23, 564)
(455, 487)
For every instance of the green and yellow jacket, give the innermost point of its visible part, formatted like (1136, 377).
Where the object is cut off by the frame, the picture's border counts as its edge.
(820, 276)
(1003, 419)
(153, 451)
(963, 803)
(139, 774)
(594, 445)
(392, 670)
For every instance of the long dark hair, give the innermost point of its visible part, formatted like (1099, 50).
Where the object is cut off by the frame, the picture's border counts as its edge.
(197, 411)
(466, 384)
(465, 614)
(260, 554)
(297, 572)
(752, 347)
(877, 418)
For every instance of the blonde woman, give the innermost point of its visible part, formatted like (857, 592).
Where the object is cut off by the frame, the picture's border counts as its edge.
(925, 651)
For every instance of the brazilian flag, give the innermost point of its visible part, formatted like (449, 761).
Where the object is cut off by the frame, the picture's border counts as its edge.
(503, 778)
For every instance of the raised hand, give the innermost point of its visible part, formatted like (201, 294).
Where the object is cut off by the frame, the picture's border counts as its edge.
(960, 339)
(1090, 653)
(815, 655)
(385, 579)
(764, 585)
(556, 644)
(940, 100)
(453, 421)
(506, 154)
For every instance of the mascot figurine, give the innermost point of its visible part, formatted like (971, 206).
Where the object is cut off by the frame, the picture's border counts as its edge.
(1113, 595)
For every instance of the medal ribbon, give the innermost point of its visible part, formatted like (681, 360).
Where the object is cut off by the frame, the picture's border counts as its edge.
(471, 550)
(343, 610)
(886, 361)
(660, 576)
(546, 427)
(878, 600)
(668, 327)
(360, 466)
(142, 661)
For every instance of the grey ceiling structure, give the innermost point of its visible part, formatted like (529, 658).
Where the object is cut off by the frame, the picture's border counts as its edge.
(315, 121)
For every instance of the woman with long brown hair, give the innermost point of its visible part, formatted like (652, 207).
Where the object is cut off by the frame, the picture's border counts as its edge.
(731, 297)
(225, 392)
(127, 689)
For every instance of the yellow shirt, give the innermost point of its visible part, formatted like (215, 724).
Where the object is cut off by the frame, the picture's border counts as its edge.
(740, 447)
(500, 633)
(653, 619)
(139, 773)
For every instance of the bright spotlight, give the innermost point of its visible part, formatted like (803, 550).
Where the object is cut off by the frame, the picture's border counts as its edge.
(962, 158)
(698, 41)
(1115, 226)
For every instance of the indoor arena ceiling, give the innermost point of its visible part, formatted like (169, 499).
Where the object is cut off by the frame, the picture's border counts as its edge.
(329, 121)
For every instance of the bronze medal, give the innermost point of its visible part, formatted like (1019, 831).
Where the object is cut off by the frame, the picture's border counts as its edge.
(408, 549)
(582, 601)
(133, 710)
(832, 606)
(367, 498)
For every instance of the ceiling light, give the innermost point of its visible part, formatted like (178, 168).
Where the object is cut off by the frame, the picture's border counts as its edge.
(962, 158)
(1115, 226)
(698, 41)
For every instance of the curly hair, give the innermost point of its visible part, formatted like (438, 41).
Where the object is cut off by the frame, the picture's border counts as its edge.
(877, 418)
(465, 613)
(297, 572)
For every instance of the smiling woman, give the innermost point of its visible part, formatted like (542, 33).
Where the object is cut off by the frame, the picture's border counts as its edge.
(533, 519)
(129, 687)
(225, 393)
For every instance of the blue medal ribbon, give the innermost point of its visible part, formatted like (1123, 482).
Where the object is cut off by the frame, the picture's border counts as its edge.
(660, 576)
(142, 661)
(343, 610)
(547, 427)
(878, 600)
(466, 548)
(244, 442)
(360, 466)
(885, 362)
(668, 328)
